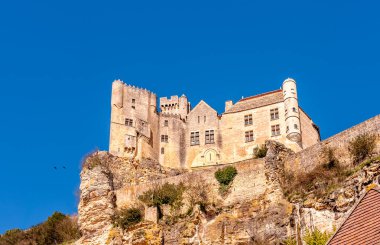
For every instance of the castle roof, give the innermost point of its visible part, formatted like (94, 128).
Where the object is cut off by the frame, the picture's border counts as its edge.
(257, 101)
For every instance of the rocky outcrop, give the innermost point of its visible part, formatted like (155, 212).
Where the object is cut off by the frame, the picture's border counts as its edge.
(254, 210)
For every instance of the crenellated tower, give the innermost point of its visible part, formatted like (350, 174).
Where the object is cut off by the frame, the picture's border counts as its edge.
(175, 106)
(134, 121)
(292, 114)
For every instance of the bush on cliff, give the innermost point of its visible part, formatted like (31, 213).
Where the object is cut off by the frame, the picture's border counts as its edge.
(127, 217)
(225, 176)
(316, 237)
(261, 151)
(167, 194)
(362, 146)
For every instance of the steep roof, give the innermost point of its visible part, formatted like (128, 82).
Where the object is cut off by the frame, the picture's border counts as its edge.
(257, 101)
(362, 226)
(200, 104)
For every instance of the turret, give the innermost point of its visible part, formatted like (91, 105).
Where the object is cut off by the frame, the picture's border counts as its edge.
(117, 93)
(292, 116)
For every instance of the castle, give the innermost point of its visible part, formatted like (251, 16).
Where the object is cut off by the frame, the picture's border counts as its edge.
(178, 136)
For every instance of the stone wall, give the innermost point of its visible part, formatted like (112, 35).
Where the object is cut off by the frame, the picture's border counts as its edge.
(251, 176)
(307, 159)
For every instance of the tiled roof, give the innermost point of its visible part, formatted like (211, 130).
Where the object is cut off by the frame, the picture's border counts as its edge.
(257, 101)
(362, 226)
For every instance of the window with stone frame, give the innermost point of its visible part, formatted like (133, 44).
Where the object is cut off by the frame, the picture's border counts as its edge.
(249, 136)
(129, 122)
(209, 137)
(274, 115)
(275, 130)
(194, 138)
(248, 119)
(166, 123)
(164, 138)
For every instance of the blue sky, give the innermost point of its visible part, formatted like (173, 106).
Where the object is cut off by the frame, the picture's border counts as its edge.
(59, 58)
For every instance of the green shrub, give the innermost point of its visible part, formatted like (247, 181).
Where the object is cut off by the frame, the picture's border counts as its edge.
(362, 146)
(290, 241)
(261, 151)
(127, 217)
(226, 175)
(316, 237)
(165, 194)
(58, 228)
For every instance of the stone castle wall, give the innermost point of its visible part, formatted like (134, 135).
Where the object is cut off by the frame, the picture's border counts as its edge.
(143, 139)
(308, 158)
(251, 176)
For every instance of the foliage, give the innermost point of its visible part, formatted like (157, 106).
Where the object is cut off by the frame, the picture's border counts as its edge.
(127, 217)
(316, 237)
(197, 193)
(226, 175)
(261, 151)
(91, 160)
(322, 180)
(290, 241)
(165, 194)
(58, 228)
(362, 146)
(330, 161)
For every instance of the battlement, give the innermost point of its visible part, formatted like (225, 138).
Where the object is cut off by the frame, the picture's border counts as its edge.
(132, 87)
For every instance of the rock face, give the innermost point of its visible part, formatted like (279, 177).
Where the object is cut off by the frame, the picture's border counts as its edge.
(253, 211)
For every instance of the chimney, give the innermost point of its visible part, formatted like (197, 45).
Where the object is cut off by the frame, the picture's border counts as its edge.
(229, 104)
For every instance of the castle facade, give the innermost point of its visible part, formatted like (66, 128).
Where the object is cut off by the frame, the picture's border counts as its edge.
(179, 136)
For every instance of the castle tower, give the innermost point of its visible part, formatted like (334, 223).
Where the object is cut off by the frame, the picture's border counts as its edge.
(134, 121)
(175, 106)
(292, 115)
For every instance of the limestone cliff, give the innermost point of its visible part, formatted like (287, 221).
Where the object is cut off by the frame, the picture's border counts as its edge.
(253, 211)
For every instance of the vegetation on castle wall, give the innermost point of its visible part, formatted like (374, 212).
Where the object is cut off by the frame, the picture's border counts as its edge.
(322, 180)
(225, 176)
(362, 147)
(58, 228)
(127, 217)
(261, 151)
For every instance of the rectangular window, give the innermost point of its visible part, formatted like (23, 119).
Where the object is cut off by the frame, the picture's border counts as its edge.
(194, 138)
(162, 150)
(204, 118)
(210, 137)
(164, 138)
(249, 136)
(129, 122)
(133, 103)
(295, 126)
(248, 119)
(274, 114)
(276, 130)
(166, 123)
(199, 119)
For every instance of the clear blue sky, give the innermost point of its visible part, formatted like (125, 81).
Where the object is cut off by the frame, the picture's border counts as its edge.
(58, 59)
